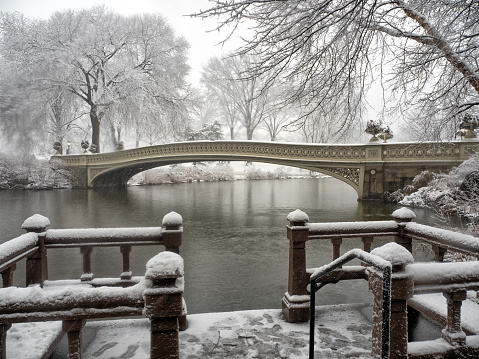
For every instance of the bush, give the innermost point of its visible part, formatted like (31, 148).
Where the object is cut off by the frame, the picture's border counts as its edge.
(32, 173)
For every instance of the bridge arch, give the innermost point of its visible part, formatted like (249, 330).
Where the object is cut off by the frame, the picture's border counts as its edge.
(119, 176)
(370, 169)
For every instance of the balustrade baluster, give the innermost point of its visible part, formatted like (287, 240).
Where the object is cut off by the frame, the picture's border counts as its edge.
(73, 328)
(336, 247)
(125, 251)
(367, 241)
(7, 276)
(453, 333)
(86, 253)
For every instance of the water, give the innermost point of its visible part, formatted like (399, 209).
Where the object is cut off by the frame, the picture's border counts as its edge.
(234, 244)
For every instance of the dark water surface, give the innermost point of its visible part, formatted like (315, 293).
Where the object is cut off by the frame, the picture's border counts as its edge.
(234, 244)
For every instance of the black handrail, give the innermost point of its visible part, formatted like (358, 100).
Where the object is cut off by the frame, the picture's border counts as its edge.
(372, 260)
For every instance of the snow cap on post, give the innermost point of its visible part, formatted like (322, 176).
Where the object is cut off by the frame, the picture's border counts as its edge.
(165, 265)
(172, 220)
(403, 215)
(297, 218)
(394, 253)
(36, 223)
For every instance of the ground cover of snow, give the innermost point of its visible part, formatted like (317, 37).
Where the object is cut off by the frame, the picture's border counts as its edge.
(31, 340)
(342, 331)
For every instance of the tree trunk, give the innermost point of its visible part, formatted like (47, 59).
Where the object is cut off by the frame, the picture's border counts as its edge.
(95, 128)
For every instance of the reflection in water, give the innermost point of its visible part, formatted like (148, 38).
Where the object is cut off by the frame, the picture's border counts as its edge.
(234, 244)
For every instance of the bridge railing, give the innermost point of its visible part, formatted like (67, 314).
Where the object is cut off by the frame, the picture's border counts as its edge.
(95, 298)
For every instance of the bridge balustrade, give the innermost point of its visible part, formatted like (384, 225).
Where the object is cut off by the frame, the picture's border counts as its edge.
(95, 297)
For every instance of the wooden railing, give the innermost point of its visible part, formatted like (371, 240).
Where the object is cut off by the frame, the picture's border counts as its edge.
(91, 297)
(408, 278)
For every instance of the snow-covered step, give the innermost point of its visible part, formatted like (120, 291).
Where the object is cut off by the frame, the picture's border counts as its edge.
(33, 340)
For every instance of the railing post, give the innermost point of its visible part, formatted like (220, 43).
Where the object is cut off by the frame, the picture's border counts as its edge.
(172, 232)
(295, 303)
(164, 303)
(453, 333)
(402, 216)
(402, 287)
(125, 251)
(36, 266)
(86, 253)
(73, 328)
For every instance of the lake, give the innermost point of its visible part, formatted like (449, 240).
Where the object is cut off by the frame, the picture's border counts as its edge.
(234, 243)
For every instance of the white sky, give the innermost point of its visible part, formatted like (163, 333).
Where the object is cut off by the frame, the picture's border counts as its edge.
(203, 41)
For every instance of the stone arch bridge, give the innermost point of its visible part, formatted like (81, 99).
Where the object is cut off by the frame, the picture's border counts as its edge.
(371, 169)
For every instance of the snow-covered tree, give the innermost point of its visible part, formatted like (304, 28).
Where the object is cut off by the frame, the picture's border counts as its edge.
(101, 57)
(424, 51)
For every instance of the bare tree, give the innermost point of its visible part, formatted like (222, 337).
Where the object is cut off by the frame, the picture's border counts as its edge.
(424, 51)
(101, 57)
(240, 99)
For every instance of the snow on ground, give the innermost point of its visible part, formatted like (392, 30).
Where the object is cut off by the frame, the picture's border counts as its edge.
(342, 331)
(31, 340)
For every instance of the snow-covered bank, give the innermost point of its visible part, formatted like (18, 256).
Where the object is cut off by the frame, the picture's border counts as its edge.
(453, 193)
(32, 173)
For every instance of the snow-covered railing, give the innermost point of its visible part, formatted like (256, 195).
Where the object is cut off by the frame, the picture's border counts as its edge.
(401, 230)
(158, 296)
(375, 261)
(443, 240)
(33, 245)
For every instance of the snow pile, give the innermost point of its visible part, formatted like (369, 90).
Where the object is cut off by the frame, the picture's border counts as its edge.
(17, 245)
(297, 216)
(37, 221)
(165, 264)
(172, 219)
(393, 253)
(403, 213)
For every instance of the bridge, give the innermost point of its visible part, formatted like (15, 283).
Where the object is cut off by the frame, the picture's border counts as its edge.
(371, 169)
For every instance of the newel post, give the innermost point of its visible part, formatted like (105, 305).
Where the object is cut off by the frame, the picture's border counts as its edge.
(402, 216)
(295, 303)
(402, 288)
(163, 295)
(37, 268)
(172, 231)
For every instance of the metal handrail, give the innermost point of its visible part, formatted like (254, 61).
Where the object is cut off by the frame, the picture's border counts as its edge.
(372, 260)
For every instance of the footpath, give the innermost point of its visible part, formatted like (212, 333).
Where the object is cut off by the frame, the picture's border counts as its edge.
(342, 331)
